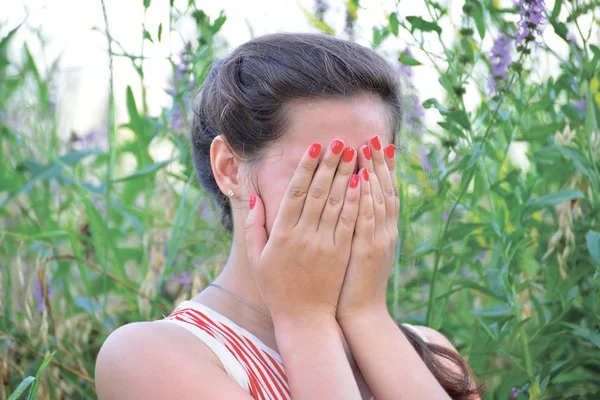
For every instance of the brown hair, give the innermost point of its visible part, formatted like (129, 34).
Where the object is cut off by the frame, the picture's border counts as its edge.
(244, 99)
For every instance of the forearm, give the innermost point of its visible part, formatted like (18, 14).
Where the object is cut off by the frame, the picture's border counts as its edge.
(313, 355)
(388, 362)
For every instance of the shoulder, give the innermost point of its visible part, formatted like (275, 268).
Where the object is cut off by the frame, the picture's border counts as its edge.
(154, 360)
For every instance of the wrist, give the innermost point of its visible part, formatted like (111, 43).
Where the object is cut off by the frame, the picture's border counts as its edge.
(363, 315)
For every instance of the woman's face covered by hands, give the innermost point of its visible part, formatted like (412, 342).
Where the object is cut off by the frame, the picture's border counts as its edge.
(353, 121)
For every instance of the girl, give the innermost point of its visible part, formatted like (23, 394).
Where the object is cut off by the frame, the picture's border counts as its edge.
(293, 135)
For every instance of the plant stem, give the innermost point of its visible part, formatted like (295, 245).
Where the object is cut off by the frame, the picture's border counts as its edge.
(438, 252)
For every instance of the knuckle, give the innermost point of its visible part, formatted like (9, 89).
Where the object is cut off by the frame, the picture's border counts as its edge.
(346, 221)
(318, 193)
(390, 192)
(333, 201)
(330, 162)
(307, 168)
(396, 192)
(370, 214)
(297, 192)
(379, 199)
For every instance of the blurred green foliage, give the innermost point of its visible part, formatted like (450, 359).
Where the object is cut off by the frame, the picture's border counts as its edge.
(501, 253)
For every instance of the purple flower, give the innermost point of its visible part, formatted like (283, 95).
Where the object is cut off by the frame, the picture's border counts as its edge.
(320, 7)
(38, 292)
(515, 393)
(581, 105)
(531, 13)
(182, 278)
(413, 109)
(424, 159)
(500, 60)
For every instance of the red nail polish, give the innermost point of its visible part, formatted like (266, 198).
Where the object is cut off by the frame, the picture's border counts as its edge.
(354, 181)
(315, 150)
(390, 150)
(252, 200)
(337, 146)
(376, 143)
(365, 173)
(349, 154)
(367, 152)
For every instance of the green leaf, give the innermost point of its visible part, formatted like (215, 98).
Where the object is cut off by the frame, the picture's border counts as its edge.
(147, 36)
(317, 23)
(21, 388)
(495, 311)
(418, 23)
(39, 373)
(147, 3)
(73, 157)
(406, 60)
(393, 22)
(479, 18)
(556, 9)
(145, 171)
(159, 35)
(584, 333)
(593, 244)
(552, 199)
(216, 26)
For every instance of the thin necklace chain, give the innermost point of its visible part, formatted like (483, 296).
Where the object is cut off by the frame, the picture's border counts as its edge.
(238, 298)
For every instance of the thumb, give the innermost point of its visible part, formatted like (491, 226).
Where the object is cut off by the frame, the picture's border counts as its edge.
(256, 234)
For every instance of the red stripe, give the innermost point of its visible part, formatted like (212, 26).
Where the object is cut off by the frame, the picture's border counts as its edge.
(238, 350)
(281, 377)
(235, 338)
(254, 384)
(276, 379)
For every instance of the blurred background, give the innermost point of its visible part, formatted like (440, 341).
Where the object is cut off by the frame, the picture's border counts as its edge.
(102, 220)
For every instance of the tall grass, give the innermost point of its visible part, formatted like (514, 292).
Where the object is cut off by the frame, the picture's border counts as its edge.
(500, 253)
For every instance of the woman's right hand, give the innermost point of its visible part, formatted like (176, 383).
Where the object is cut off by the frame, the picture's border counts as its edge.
(300, 268)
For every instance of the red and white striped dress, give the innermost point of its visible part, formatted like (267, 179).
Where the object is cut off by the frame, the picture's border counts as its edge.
(247, 360)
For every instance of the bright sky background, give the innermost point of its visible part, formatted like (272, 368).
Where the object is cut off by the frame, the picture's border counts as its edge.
(82, 87)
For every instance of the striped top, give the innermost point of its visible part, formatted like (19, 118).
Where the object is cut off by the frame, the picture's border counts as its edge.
(253, 365)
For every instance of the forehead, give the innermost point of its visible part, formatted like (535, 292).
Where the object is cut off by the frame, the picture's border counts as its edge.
(353, 120)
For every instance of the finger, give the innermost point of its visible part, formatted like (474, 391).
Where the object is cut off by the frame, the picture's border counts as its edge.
(295, 194)
(390, 160)
(346, 223)
(376, 194)
(319, 189)
(256, 234)
(335, 201)
(383, 177)
(365, 223)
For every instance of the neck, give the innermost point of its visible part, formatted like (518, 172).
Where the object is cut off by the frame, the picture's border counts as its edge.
(237, 278)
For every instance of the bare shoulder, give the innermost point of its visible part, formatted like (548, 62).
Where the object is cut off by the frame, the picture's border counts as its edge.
(158, 360)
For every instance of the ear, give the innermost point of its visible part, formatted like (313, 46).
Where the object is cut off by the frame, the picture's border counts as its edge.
(224, 165)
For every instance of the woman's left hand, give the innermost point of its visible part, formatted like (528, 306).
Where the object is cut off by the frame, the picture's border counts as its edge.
(375, 234)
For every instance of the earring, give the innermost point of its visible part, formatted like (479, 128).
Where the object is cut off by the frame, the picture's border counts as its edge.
(231, 193)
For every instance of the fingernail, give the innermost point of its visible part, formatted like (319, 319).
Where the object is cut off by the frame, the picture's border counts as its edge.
(390, 151)
(365, 173)
(375, 142)
(354, 181)
(349, 154)
(252, 200)
(367, 152)
(315, 150)
(337, 146)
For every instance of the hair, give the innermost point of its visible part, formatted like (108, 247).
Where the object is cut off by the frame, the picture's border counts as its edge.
(245, 98)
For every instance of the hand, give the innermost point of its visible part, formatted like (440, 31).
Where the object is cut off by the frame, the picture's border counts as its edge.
(300, 268)
(375, 236)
